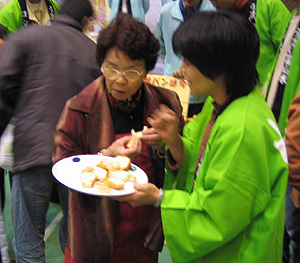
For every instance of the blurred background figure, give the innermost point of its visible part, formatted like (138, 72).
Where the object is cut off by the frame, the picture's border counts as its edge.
(40, 68)
(19, 14)
(270, 18)
(101, 118)
(165, 1)
(136, 8)
(171, 16)
(283, 86)
(292, 140)
(4, 121)
(4, 257)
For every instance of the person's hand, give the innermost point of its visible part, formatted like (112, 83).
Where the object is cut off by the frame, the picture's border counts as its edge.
(146, 194)
(118, 147)
(177, 74)
(166, 123)
(153, 139)
(296, 197)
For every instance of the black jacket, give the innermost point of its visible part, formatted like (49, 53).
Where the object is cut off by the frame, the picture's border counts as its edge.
(40, 69)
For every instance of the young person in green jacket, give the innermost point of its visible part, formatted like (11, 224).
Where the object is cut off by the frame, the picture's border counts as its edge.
(284, 84)
(227, 175)
(19, 14)
(270, 18)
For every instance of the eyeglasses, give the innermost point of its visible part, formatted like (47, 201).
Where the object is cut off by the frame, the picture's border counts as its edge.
(129, 74)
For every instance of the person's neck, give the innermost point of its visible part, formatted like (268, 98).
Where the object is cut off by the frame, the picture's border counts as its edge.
(219, 92)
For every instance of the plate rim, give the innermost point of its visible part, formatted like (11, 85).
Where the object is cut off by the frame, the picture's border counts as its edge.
(115, 194)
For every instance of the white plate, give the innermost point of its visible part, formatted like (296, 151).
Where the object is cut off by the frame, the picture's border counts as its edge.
(68, 170)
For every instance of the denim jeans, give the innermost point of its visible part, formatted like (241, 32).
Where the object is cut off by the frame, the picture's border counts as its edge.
(292, 230)
(30, 198)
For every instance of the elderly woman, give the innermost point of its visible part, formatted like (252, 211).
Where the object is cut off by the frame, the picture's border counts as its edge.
(227, 174)
(100, 118)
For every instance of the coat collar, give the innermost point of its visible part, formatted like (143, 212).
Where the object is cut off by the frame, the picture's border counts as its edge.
(64, 19)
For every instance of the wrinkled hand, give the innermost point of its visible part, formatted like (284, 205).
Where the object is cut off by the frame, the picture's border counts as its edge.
(153, 139)
(146, 194)
(118, 147)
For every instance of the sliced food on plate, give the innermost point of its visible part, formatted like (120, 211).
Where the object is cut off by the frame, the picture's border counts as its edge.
(108, 173)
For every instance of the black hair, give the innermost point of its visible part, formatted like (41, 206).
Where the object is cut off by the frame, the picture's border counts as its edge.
(77, 9)
(221, 43)
(130, 36)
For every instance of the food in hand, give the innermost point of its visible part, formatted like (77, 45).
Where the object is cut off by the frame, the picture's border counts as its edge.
(135, 136)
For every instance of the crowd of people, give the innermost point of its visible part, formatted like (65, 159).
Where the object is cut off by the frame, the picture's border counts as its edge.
(222, 187)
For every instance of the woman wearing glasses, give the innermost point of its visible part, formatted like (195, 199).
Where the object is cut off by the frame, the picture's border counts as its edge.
(99, 119)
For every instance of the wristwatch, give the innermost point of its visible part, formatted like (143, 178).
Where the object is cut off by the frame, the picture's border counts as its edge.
(160, 198)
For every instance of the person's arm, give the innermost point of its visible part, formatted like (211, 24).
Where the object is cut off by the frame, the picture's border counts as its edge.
(293, 142)
(12, 66)
(279, 19)
(146, 5)
(160, 37)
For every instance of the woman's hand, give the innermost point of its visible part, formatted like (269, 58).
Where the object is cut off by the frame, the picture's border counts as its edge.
(153, 139)
(166, 123)
(146, 194)
(118, 147)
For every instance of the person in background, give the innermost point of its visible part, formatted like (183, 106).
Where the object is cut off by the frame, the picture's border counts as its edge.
(165, 1)
(136, 8)
(3, 36)
(171, 16)
(222, 195)
(40, 69)
(19, 14)
(270, 18)
(292, 140)
(100, 119)
(4, 257)
(283, 85)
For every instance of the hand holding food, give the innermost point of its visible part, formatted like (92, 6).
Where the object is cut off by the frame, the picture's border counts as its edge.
(118, 147)
(153, 139)
(135, 136)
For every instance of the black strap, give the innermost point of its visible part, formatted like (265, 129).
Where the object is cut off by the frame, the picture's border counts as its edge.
(24, 11)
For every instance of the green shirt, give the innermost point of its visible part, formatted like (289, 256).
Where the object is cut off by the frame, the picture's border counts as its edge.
(235, 212)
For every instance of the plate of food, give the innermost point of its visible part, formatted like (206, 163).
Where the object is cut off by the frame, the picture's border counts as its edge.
(99, 175)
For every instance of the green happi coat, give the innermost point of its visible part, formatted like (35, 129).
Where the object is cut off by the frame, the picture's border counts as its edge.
(272, 18)
(236, 210)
